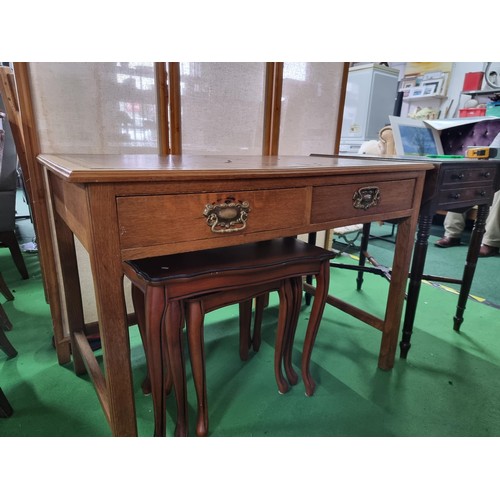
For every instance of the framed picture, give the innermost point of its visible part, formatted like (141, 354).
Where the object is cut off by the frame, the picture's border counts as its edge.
(414, 137)
(432, 87)
(407, 83)
(416, 92)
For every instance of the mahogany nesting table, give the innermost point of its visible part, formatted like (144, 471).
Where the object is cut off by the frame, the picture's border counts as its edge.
(124, 207)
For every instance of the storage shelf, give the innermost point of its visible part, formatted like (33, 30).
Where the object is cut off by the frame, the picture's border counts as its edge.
(424, 98)
(481, 92)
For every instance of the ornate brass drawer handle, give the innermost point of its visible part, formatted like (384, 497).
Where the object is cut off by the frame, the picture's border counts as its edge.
(365, 198)
(227, 217)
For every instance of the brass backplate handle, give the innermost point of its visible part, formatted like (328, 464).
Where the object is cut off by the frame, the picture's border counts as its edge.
(227, 216)
(366, 197)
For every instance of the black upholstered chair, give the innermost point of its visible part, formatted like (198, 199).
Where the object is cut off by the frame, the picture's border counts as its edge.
(5, 408)
(8, 187)
(5, 324)
(5, 345)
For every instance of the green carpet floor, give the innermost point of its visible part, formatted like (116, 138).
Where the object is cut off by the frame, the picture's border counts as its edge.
(447, 386)
(446, 262)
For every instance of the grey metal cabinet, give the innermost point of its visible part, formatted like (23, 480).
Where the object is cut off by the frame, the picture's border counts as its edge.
(370, 98)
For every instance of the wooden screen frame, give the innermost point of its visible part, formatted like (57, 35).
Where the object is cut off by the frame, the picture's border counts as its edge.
(169, 129)
(41, 218)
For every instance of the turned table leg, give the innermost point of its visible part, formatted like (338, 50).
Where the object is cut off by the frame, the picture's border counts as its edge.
(417, 270)
(470, 264)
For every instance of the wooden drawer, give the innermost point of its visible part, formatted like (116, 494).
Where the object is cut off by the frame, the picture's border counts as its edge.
(475, 195)
(477, 174)
(156, 220)
(394, 196)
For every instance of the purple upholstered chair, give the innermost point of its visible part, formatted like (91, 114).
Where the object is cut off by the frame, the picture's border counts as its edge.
(455, 140)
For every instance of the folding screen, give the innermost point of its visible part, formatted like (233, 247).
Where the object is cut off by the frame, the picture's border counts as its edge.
(206, 108)
(93, 108)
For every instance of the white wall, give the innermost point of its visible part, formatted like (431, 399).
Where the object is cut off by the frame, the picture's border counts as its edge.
(457, 81)
(455, 84)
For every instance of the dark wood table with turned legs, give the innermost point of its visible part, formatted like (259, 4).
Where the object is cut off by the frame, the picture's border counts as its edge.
(454, 185)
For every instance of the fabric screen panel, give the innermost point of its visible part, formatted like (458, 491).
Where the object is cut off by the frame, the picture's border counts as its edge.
(93, 108)
(89, 107)
(222, 107)
(310, 107)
